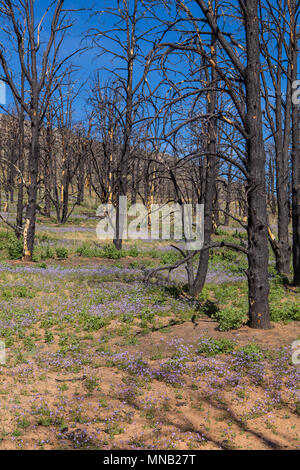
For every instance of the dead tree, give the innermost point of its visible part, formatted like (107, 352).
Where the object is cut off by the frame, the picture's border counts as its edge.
(295, 37)
(130, 49)
(38, 56)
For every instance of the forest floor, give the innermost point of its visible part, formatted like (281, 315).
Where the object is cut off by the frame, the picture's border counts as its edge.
(96, 359)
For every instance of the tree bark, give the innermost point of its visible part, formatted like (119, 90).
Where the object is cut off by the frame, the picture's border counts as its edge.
(295, 155)
(258, 282)
(30, 218)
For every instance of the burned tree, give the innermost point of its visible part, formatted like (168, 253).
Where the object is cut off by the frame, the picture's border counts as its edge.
(38, 57)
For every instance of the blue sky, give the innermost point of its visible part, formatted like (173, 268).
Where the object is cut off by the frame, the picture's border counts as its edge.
(87, 62)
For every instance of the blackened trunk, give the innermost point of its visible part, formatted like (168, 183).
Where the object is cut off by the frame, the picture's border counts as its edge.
(121, 219)
(296, 197)
(65, 203)
(283, 251)
(80, 182)
(47, 179)
(258, 282)
(295, 162)
(228, 196)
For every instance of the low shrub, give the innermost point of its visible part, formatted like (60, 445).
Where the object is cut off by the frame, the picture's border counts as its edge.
(43, 252)
(133, 252)
(17, 292)
(94, 323)
(142, 264)
(42, 265)
(230, 318)
(14, 247)
(89, 251)
(61, 252)
(169, 257)
(212, 347)
(110, 251)
(153, 253)
(283, 306)
(285, 312)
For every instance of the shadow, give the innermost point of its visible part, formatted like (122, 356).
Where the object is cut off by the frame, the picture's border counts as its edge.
(208, 308)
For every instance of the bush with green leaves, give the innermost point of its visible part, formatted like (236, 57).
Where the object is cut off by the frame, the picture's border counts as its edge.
(111, 252)
(240, 235)
(212, 347)
(36, 256)
(142, 264)
(153, 253)
(42, 265)
(169, 257)
(107, 251)
(61, 252)
(87, 250)
(20, 292)
(220, 232)
(235, 293)
(228, 260)
(230, 318)
(42, 253)
(285, 312)
(14, 247)
(133, 252)
(146, 314)
(48, 253)
(93, 323)
(49, 338)
(283, 306)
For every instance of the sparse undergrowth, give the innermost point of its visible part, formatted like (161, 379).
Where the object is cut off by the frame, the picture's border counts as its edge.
(94, 359)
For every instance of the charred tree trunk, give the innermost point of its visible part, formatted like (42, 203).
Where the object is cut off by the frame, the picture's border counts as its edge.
(283, 253)
(258, 282)
(228, 196)
(296, 196)
(80, 181)
(295, 155)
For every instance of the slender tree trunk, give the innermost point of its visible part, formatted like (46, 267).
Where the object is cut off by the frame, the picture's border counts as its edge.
(65, 201)
(20, 197)
(80, 181)
(30, 218)
(283, 251)
(210, 181)
(228, 196)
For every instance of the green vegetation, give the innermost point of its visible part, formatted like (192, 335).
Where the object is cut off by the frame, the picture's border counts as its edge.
(212, 347)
